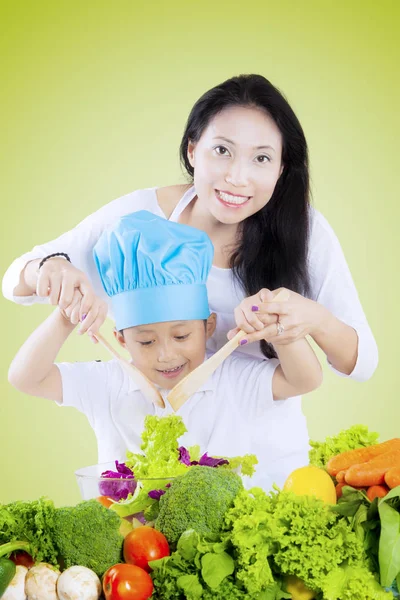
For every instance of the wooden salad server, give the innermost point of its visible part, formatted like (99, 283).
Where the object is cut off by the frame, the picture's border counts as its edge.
(147, 388)
(192, 382)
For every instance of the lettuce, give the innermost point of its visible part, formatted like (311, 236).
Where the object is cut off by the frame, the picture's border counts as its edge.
(160, 449)
(357, 436)
(353, 583)
(284, 533)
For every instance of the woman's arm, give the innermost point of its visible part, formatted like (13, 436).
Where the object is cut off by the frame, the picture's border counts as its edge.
(20, 282)
(299, 371)
(334, 317)
(33, 370)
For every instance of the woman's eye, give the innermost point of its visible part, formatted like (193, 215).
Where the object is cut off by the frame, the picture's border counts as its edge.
(146, 343)
(182, 337)
(222, 151)
(263, 158)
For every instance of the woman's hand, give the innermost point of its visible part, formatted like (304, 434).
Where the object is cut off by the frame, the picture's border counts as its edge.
(258, 316)
(70, 289)
(58, 280)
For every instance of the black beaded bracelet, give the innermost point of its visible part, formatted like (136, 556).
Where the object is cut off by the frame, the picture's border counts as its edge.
(53, 256)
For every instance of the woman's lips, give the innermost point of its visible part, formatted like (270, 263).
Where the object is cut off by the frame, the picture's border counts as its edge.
(231, 200)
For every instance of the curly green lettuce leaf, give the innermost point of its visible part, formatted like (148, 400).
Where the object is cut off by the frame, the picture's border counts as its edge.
(160, 456)
(358, 436)
(288, 534)
(32, 522)
(353, 583)
(245, 465)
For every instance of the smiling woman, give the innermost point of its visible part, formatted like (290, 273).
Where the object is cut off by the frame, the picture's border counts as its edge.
(246, 155)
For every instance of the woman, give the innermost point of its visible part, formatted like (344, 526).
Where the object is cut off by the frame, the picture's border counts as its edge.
(246, 153)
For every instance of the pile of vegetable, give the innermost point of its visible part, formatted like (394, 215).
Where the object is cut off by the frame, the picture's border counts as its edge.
(211, 538)
(137, 485)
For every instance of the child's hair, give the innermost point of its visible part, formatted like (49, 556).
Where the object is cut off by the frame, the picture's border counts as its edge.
(273, 244)
(204, 321)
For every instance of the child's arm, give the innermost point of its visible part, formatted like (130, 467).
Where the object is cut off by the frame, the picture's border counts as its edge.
(299, 371)
(33, 370)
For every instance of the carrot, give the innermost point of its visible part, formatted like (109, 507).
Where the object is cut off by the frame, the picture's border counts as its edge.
(377, 491)
(104, 501)
(341, 462)
(339, 487)
(392, 477)
(373, 471)
(340, 476)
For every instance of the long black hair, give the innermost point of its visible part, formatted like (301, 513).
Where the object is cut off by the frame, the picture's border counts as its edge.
(272, 245)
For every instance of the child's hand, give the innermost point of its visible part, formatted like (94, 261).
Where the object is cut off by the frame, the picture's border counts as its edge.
(93, 315)
(94, 318)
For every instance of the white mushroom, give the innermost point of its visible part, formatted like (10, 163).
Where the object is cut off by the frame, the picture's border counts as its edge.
(78, 583)
(41, 582)
(16, 587)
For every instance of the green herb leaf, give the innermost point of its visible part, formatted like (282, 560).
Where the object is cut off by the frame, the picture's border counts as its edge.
(215, 567)
(389, 544)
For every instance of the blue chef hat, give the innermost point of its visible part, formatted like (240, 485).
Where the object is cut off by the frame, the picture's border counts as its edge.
(154, 270)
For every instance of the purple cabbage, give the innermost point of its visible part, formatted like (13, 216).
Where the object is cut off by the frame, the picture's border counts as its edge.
(205, 460)
(209, 461)
(156, 494)
(118, 490)
(184, 456)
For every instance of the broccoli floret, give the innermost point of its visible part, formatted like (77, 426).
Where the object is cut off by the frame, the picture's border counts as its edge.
(197, 500)
(88, 535)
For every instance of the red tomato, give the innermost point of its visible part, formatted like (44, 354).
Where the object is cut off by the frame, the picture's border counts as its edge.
(127, 582)
(143, 545)
(20, 557)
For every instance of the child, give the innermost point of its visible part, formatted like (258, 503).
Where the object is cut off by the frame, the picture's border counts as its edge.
(155, 272)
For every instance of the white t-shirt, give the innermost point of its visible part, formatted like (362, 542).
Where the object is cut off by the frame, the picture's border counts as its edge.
(331, 281)
(232, 414)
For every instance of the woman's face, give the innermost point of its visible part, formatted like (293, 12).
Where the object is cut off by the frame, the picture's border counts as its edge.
(237, 162)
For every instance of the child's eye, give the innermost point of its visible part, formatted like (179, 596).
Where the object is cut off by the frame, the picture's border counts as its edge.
(263, 158)
(182, 337)
(146, 343)
(222, 151)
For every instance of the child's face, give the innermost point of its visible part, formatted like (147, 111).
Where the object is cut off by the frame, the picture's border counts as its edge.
(167, 352)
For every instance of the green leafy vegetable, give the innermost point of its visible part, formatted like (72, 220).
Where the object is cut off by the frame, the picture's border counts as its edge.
(160, 456)
(215, 567)
(31, 522)
(353, 583)
(389, 543)
(357, 436)
(244, 464)
(284, 533)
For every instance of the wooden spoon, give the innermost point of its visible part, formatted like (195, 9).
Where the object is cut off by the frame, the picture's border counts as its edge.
(190, 384)
(147, 388)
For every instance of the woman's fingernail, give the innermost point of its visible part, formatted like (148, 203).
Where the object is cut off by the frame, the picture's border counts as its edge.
(254, 308)
(243, 342)
(83, 317)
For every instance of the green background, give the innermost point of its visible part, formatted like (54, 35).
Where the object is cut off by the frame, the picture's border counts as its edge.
(94, 99)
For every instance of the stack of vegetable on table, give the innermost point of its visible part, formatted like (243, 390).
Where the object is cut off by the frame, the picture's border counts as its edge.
(177, 525)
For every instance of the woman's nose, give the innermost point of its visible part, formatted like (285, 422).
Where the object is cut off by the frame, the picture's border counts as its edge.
(237, 174)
